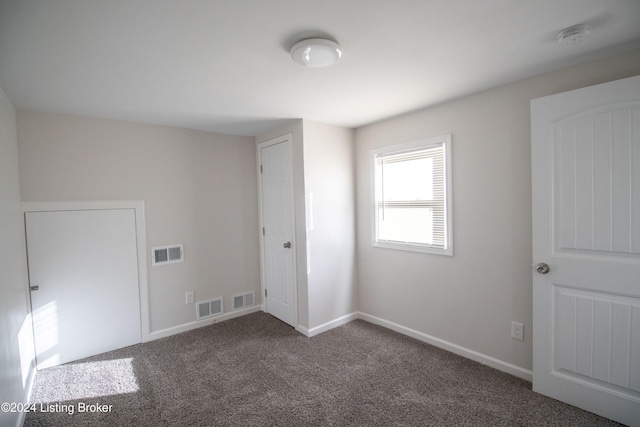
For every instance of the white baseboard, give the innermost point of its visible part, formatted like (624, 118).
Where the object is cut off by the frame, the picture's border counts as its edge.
(500, 365)
(162, 333)
(31, 378)
(343, 320)
(22, 416)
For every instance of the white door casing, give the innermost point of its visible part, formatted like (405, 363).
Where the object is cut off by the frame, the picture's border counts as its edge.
(278, 234)
(586, 228)
(85, 266)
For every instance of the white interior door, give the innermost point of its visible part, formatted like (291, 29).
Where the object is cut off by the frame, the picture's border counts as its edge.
(84, 265)
(278, 257)
(586, 229)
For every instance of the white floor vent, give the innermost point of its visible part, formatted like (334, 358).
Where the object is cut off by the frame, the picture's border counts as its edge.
(242, 300)
(210, 308)
(169, 254)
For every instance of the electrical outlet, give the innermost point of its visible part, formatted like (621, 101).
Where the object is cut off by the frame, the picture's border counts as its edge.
(517, 331)
(188, 297)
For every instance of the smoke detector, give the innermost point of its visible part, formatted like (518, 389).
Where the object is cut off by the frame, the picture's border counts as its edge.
(574, 35)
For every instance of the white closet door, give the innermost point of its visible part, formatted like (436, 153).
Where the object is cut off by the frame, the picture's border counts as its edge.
(278, 236)
(83, 273)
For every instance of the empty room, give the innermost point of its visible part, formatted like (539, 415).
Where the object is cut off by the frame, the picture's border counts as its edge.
(297, 212)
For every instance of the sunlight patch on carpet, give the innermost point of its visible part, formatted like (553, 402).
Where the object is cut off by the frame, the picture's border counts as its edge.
(89, 380)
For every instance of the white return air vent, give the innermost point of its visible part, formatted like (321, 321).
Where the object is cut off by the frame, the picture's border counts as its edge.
(209, 308)
(242, 300)
(161, 255)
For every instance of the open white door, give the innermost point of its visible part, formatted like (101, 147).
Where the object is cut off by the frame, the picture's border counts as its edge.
(586, 248)
(276, 201)
(83, 272)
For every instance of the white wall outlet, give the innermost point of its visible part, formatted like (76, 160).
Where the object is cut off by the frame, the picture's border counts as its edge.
(188, 297)
(517, 331)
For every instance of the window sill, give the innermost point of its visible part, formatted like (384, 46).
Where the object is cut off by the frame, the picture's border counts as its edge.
(414, 248)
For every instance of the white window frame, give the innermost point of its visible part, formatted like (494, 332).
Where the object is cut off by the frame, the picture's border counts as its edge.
(445, 140)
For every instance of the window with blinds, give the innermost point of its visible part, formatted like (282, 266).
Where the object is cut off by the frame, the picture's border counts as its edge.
(412, 196)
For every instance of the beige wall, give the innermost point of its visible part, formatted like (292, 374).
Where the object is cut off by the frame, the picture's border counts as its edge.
(16, 345)
(470, 299)
(199, 189)
(329, 181)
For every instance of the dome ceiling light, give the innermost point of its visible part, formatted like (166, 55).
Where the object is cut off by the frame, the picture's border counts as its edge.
(316, 52)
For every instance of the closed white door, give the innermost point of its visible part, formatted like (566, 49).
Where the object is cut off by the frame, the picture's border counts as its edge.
(276, 179)
(586, 248)
(83, 273)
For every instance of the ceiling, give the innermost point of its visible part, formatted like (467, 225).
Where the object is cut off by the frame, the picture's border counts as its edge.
(224, 65)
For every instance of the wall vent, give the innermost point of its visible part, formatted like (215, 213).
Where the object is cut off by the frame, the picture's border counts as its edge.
(209, 308)
(161, 255)
(242, 300)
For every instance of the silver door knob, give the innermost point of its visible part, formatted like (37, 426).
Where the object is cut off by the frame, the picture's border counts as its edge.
(287, 245)
(542, 268)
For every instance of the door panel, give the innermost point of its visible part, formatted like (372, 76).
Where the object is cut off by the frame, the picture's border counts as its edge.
(277, 220)
(85, 266)
(586, 227)
(594, 183)
(593, 338)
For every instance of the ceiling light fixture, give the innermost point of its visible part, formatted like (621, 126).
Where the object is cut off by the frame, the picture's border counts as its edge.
(574, 35)
(316, 52)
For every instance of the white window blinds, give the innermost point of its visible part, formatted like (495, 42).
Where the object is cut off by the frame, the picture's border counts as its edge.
(411, 196)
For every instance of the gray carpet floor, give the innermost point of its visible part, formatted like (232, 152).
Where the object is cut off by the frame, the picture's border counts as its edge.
(257, 371)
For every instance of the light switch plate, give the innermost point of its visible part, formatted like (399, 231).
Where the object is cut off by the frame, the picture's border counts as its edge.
(188, 298)
(517, 331)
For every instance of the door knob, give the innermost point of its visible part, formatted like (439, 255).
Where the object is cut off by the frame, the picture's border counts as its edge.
(34, 288)
(287, 245)
(542, 268)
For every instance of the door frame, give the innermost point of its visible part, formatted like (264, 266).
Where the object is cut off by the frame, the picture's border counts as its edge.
(259, 146)
(141, 242)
